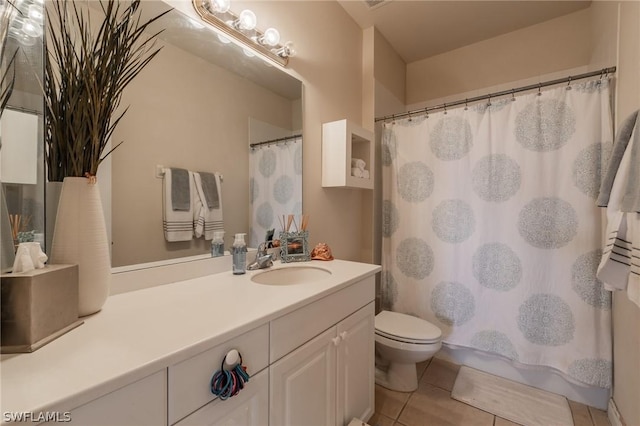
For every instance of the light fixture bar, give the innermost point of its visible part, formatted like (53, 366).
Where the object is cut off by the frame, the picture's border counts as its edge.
(230, 32)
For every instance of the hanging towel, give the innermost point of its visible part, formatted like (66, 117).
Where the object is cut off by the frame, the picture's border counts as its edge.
(619, 148)
(633, 286)
(210, 189)
(619, 267)
(180, 190)
(206, 220)
(177, 224)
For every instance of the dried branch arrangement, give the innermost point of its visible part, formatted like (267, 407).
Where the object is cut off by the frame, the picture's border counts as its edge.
(86, 72)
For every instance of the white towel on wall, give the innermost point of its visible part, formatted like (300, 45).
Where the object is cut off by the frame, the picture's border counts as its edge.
(206, 220)
(633, 286)
(177, 225)
(619, 267)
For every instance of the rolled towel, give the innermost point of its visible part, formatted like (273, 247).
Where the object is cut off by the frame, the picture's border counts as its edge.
(356, 172)
(365, 174)
(358, 163)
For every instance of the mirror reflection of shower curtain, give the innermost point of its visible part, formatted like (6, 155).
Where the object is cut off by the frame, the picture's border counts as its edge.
(275, 173)
(491, 230)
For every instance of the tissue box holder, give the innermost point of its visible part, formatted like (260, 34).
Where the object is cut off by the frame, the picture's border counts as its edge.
(38, 307)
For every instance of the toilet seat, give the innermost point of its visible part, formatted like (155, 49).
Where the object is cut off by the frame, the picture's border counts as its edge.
(406, 328)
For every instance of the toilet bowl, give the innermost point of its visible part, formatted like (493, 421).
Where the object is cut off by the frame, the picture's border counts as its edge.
(401, 342)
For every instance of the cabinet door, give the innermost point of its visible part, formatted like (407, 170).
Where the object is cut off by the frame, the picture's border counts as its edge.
(141, 403)
(249, 408)
(303, 384)
(356, 366)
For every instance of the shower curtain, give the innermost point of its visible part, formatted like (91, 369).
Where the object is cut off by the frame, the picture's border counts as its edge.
(491, 230)
(275, 172)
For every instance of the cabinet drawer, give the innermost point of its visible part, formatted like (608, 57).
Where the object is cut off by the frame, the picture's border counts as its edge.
(248, 408)
(292, 330)
(189, 380)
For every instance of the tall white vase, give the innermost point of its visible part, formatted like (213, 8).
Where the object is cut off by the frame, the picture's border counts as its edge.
(80, 237)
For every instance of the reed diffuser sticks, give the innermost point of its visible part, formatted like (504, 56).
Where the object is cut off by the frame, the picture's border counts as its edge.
(19, 223)
(287, 221)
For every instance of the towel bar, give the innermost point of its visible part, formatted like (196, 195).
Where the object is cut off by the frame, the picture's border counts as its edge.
(160, 173)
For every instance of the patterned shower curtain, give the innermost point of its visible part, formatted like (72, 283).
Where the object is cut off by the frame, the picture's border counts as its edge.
(491, 231)
(275, 173)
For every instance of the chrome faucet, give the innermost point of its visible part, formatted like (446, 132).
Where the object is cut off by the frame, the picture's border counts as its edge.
(263, 260)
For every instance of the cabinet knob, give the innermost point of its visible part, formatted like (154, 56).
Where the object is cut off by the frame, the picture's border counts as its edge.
(336, 341)
(343, 335)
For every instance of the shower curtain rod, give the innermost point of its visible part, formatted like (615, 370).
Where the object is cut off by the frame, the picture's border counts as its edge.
(286, 138)
(466, 101)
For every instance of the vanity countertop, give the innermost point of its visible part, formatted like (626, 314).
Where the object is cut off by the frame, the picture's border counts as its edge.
(140, 332)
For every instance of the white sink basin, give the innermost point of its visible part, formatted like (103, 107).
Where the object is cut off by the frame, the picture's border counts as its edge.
(291, 276)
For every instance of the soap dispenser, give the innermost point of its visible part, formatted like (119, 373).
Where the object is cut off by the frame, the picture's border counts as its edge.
(239, 252)
(217, 244)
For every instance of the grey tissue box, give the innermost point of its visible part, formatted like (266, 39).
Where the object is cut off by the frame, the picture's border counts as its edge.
(37, 307)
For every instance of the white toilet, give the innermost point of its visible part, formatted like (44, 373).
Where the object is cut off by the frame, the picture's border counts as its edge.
(401, 342)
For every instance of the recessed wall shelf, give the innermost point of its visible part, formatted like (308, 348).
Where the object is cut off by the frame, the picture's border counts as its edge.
(342, 142)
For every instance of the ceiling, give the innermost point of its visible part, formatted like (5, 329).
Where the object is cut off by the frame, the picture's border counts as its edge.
(418, 29)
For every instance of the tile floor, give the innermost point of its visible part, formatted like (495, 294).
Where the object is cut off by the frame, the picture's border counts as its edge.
(431, 404)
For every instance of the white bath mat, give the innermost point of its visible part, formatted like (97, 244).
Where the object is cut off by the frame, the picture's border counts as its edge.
(510, 400)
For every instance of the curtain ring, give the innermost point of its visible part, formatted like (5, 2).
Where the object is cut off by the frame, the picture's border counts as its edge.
(489, 101)
(569, 84)
(409, 113)
(513, 95)
(466, 104)
(539, 87)
(393, 119)
(445, 108)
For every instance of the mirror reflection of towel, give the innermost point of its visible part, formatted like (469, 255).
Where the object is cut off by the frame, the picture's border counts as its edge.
(206, 220)
(210, 189)
(180, 190)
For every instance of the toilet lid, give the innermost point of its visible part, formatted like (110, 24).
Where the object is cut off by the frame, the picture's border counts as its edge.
(406, 327)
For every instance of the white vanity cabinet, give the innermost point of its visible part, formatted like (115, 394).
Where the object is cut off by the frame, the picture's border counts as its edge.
(141, 403)
(309, 351)
(329, 379)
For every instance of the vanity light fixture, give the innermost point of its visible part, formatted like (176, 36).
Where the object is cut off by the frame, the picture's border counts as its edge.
(242, 30)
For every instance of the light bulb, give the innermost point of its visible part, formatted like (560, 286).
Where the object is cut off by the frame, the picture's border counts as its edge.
(31, 28)
(290, 49)
(247, 20)
(286, 51)
(35, 13)
(220, 6)
(270, 37)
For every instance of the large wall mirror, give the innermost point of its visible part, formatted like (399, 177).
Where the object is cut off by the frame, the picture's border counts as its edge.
(198, 106)
(21, 127)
